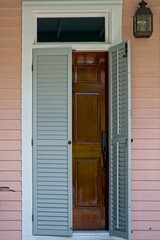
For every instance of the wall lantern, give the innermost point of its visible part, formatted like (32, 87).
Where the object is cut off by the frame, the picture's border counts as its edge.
(143, 21)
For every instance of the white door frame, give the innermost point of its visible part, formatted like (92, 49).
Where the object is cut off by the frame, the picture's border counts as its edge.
(112, 11)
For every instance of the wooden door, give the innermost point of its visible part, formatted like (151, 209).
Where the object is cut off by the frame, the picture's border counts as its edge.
(90, 182)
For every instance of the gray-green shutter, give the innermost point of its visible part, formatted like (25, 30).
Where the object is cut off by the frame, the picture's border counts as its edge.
(120, 140)
(52, 162)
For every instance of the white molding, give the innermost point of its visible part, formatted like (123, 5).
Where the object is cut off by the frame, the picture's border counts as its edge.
(89, 235)
(76, 13)
(78, 47)
(112, 14)
(82, 2)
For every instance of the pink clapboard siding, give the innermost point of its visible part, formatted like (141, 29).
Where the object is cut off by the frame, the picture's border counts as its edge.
(10, 119)
(145, 56)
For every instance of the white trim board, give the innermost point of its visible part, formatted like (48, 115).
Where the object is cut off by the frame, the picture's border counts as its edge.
(28, 37)
(111, 13)
(67, 14)
(82, 2)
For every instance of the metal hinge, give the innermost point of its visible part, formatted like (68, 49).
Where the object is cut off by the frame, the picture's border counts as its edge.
(32, 217)
(32, 142)
(125, 55)
(32, 67)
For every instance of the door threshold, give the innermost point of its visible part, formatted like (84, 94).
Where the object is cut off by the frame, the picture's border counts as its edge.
(77, 235)
(93, 235)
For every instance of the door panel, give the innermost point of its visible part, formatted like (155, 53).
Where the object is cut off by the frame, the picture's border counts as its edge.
(87, 74)
(87, 129)
(87, 197)
(89, 120)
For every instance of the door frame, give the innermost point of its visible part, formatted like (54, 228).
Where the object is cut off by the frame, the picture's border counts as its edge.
(30, 11)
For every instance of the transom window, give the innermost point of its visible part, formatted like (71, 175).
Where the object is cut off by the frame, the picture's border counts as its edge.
(71, 29)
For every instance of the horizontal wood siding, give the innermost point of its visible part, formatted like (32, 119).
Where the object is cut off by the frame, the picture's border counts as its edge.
(10, 119)
(145, 125)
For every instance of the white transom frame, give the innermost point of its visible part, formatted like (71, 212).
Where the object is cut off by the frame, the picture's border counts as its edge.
(112, 11)
(106, 14)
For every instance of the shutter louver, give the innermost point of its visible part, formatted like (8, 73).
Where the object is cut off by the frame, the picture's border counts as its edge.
(120, 141)
(52, 195)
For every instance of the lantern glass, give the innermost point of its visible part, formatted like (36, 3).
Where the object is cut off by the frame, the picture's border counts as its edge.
(143, 23)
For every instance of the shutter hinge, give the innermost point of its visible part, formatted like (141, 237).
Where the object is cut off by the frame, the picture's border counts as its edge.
(32, 217)
(125, 55)
(32, 68)
(32, 142)
(126, 142)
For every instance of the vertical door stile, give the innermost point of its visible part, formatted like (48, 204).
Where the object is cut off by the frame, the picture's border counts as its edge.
(70, 204)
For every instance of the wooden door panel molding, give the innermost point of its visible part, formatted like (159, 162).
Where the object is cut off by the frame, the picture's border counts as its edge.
(87, 116)
(87, 74)
(87, 185)
(88, 150)
(84, 220)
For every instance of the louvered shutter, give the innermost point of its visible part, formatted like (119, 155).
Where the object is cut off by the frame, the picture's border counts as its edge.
(120, 140)
(52, 151)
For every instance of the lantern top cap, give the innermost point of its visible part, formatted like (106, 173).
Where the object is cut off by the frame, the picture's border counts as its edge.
(142, 4)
